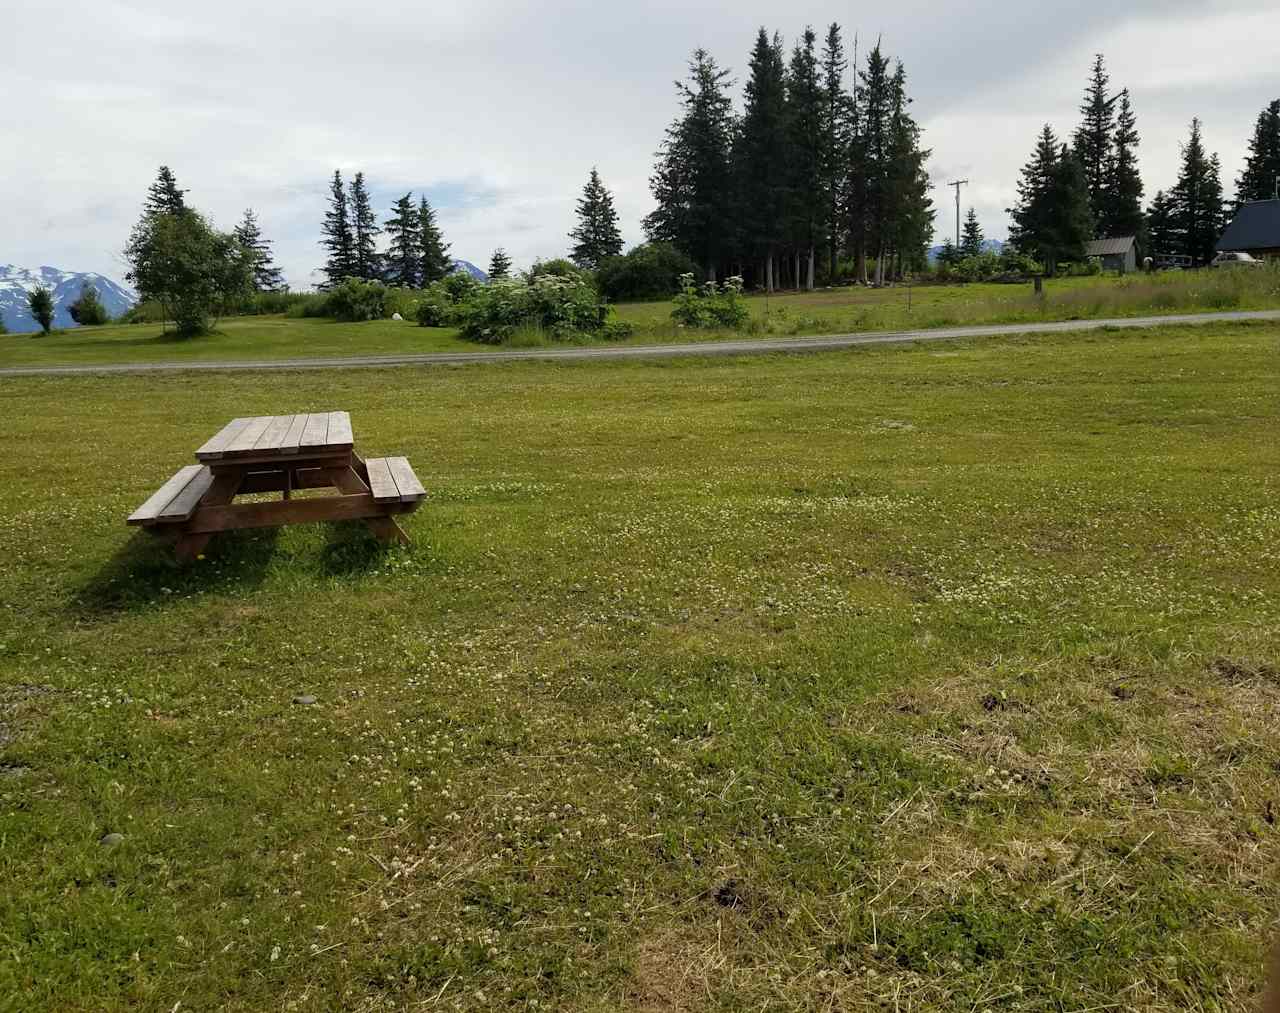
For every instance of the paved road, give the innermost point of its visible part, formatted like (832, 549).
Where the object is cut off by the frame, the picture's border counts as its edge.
(742, 346)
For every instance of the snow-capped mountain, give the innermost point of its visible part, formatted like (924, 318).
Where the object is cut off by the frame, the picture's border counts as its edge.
(471, 269)
(16, 282)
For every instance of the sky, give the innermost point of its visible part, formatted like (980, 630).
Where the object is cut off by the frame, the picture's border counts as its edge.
(498, 110)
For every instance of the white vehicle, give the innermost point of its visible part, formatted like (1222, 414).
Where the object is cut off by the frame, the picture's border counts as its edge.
(1229, 259)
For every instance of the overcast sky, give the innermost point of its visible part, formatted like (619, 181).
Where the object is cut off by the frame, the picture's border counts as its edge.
(497, 110)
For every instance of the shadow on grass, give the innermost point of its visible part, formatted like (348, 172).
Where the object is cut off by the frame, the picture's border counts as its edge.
(352, 551)
(144, 573)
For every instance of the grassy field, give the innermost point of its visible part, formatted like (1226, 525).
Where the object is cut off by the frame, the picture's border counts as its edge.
(921, 678)
(823, 312)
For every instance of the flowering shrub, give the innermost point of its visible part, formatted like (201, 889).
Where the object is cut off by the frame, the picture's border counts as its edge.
(441, 303)
(709, 306)
(355, 299)
(562, 307)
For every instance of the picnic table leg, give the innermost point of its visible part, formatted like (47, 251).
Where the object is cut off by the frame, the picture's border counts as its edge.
(348, 480)
(222, 492)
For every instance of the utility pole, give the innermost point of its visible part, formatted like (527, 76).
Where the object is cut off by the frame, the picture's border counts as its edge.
(958, 184)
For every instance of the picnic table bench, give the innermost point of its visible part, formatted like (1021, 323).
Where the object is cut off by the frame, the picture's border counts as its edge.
(280, 453)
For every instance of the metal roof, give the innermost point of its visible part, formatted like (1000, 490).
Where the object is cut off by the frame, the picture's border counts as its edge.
(1256, 226)
(1109, 247)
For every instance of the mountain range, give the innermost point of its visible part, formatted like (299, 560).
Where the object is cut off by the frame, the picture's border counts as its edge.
(471, 269)
(16, 282)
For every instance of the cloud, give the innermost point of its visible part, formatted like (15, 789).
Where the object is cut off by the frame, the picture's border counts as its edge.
(497, 111)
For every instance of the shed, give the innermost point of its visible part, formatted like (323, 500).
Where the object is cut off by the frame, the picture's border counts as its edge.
(1119, 254)
(1255, 230)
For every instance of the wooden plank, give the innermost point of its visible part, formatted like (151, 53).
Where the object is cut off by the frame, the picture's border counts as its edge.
(184, 504)
(289, 445)
(406, 481)
(381, 483)
(217, 443)
(305, 457)
(224, 490)
(274, 435)
(160, 499)
(248, 437)
(209, 519)
(316, 433)
(340, 430)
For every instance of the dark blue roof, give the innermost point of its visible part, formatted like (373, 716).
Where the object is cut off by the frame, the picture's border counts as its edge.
(1256, 226)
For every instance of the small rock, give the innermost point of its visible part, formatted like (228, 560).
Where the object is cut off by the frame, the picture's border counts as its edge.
(396, 316)
(305, 699)
(111, 840)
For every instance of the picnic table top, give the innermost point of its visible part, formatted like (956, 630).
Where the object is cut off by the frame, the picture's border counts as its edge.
(313, 433)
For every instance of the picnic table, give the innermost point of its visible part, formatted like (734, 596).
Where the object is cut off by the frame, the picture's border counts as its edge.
(280, 453)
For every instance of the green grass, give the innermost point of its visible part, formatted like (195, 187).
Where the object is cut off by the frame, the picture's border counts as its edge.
(823, 312)
(922, 678)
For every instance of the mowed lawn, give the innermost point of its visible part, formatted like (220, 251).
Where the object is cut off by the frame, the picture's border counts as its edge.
(943, 677)
(838, 310)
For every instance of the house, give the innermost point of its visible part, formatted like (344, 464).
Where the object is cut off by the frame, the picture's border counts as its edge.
(1119, 254)
(1254, 230)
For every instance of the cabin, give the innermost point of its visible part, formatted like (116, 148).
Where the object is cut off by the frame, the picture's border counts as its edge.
(1254, 230)
(1119, 254)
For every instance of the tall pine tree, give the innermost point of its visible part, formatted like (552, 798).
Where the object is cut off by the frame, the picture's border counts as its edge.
(1197, 200)
(596, 236)
(499, 265)
(1162, 236)
(908, 207)
(762, 174)
(835, 135)
(366, 263)
(691, 180)
(404, 250)
(1051, 220)
(1094, 138)
(163, 196)
(806, 148)
(266, 276)
(971, 238)
(1261, 177)
(436, 262)
(1120, 211)
(338, 239)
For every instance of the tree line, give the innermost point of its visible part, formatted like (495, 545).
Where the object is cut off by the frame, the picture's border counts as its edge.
(810, 168)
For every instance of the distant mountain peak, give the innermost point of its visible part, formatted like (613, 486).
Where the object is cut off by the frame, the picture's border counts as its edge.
(471, 269)
(16, 282)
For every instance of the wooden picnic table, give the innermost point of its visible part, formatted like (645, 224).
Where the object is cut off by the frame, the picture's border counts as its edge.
(280, 453)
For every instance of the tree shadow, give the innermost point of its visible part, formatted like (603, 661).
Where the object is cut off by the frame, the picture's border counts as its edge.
(352, 551)
(143, 573)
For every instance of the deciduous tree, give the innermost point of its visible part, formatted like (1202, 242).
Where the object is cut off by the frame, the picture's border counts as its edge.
(40, 302)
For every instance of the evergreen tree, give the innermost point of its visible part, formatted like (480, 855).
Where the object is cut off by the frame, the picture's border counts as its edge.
(1162, 239)
(364, 232)
(1120, 213)
(404, 253)
(1261, 177)
(40, 303)
(338, 238)
(596, 235)
(88, 310)
(691, 180)
(1094, 138)
(163, 196)
(1051, 220)
(1197, 200)
(868, 203)
(762, 173)
(805, 114)
(950, 253)
(266, 276)
(499, 265)
(907, 207)
(971, 238)
(835, 138)
(436, 262)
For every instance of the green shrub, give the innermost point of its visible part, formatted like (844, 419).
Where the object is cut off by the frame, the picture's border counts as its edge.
(40, 303)
(558, 268)
(355, 299)
(710, 306)
(564, 308)
(649, 271)
(88, 310)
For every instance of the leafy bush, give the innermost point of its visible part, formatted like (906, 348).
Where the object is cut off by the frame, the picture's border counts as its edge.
(88, 310)
(40, 302)
(564, 308)
(557, 268)
(355, 299)
(709, 306)
(440, 303)
(648, 271)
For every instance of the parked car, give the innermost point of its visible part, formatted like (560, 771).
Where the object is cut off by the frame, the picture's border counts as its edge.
(1231, 259)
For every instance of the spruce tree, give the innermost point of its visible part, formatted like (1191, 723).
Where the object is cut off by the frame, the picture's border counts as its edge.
(1261, 177)
(869, 206)
(163, 196)
(366, 263)
(404, 252)
(1120, 213)
(908, 209)
(436, 262)
(691, 180)
(499, 265)
(40, 303)
(761, 169)
(338, 239)
(835, 131)
(971, 238)
(1051, 220)
(596, 234)
(950, 254)
(1197, 200)
(1161, 229)
(806, 146)
(1094, 138)
(266, 276)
